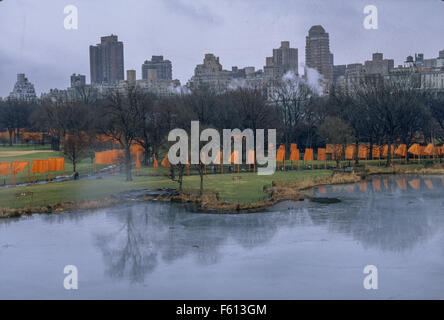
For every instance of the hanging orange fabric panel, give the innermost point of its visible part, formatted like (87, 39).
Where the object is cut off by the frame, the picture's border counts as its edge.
(116, 156)
(350, 152)
(294, 155)
(401, 150)
(280, 157)
(376, 152)
(136, 149)
(39, 166)
(337, 151)
(234, 158)
(4, 135)
(429, 149)
(362, 152)
(56, 164)
(415, 149)
(165, 162)
(34, 136)
(101, 157)
(4, 168)
(293, 147)
(308, 156)
(155, 164)
(251, 156)
(322, 156)
(330, 148)
(218, 159)
(137, 161)
(385, 150)
(18, 166)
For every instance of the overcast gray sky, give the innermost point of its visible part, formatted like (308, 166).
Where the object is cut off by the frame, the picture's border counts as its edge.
(241, 32)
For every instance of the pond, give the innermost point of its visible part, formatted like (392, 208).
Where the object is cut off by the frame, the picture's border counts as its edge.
(296, 250)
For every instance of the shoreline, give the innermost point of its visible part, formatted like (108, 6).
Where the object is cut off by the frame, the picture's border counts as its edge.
(209, 203)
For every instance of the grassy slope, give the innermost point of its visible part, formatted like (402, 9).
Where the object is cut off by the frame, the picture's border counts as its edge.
(248, 189)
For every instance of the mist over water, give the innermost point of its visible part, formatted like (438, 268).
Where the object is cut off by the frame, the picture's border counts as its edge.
(296, 250)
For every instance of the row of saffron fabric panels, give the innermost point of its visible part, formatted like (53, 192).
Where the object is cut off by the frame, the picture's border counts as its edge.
(335, 151)
(38, 166)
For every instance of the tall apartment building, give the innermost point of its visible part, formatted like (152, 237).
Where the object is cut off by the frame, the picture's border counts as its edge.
(210, 74)
(339, 71)
(163, 69)
(106, 61)
(284, 59)
(77, 80)
(23, 89)
(317, 52)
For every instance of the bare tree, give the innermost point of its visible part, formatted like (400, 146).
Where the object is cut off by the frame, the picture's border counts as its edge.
(121, 116)
(14, 115)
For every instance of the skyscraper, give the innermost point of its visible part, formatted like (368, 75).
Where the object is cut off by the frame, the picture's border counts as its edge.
(23, 89)
(163, 68)
(284, 59)
(106, 61)
(317, 52)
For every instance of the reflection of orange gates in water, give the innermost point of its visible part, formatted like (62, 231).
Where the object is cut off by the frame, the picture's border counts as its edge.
(415, 184)
(376, 185)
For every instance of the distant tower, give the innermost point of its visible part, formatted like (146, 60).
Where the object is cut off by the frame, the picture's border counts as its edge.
(131, 76)
(106, 61)
(317, 52)
(162, 67)
(77, 80)
(23, 89)
(284, 59)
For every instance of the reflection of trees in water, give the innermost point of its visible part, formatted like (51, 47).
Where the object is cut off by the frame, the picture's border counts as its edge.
(395, 220)
(127, 250)
(170, 232)
(49, 218)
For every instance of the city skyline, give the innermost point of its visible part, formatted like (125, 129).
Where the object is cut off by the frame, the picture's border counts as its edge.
(48, 69)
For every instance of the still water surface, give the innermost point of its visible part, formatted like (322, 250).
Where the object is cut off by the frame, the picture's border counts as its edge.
(296, 250)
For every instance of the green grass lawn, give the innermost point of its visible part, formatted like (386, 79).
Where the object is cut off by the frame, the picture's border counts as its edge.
(248, 189)
(24, 147)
